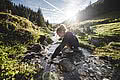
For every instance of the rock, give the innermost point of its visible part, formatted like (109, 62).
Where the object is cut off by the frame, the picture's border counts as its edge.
(66, 65)
(42, 39)
(116, 73)
(30, 56)
(35, 48)
(95, 41)
(49, 40)
(75, 67)
(45, 40)
(50, 76)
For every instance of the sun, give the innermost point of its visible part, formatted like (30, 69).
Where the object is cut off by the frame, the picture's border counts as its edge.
(70, 14)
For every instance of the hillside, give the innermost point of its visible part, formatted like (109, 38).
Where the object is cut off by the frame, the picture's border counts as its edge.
(18, 28)
(35, 17)
(98, 28)
(98, 8)
(16, 34)
(100, 34)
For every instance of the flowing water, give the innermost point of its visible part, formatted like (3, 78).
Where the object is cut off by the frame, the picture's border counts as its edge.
(89, 68)
(74, 67)
(51, 48)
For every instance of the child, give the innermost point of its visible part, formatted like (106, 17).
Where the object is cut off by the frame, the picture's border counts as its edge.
(69, 40)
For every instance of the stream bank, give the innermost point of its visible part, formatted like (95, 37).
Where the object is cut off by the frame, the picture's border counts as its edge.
(89, 67)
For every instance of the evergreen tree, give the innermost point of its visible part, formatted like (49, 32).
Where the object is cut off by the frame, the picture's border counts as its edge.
(47, 23)
(40, 19)
(90, 3)
(21, 10)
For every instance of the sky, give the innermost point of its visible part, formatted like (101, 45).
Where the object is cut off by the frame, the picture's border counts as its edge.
(56, 11)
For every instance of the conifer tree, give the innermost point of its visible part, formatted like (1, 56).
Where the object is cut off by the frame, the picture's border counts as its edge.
(47, 23)
(40, 19)
(21, 10)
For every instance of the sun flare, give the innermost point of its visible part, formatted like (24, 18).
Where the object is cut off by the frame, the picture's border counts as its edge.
(70, 14)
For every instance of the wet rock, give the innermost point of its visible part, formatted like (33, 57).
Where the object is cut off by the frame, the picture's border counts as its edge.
(87, 68)
(66, 65)
(35, 48)
(42, 38)
(95, 41)
(29, 56)
(50, 76)
(49, 40)
(45, 40)
(116, 73)
(71, 76)
(116, 69)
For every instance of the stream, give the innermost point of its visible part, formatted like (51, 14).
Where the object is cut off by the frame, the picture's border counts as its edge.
(55, 44)
(89, 68)
(72, 67)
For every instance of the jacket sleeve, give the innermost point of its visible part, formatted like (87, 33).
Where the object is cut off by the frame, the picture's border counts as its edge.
(59, 48)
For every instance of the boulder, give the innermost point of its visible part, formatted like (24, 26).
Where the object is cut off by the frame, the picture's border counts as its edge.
(45, 40)
(77, 67)
(35, 47)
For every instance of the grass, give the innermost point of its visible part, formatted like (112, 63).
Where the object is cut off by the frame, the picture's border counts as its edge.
(110, 36)
(108, 29)
(16, 33)
(105, 30)
(10, 64)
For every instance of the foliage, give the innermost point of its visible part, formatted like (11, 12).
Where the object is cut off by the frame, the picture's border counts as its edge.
(15, 29)
(111, 50)
(20, 10)
(98, 8)
(10, 64)
(16, 33)
(102, 37)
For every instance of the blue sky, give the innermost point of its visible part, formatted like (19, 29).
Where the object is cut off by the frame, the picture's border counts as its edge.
(56, 11)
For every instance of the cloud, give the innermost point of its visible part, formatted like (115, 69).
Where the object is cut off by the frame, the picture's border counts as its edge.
(56, 10)
(69, 8)
(76, 4)
(53, 6)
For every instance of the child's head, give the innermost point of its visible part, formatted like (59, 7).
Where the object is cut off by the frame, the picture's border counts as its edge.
(61, 30)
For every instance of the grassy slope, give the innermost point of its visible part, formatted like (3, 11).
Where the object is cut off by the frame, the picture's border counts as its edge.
(15, 23)
(106, 29)
(111, 32)
(15, 35)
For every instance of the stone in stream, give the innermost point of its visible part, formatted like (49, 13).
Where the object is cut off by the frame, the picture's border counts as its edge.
(72, 66)
(35, 48)
(45, 40)
(76, 67)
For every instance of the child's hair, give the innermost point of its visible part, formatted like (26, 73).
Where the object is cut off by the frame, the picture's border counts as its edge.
(61, 28)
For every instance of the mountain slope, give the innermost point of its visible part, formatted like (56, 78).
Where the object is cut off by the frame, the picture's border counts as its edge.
(98, 8)
(16, 33)
(15, 28)
(101, 34)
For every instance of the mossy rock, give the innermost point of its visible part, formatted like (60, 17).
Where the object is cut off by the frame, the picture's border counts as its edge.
(3, 28)
(50, 76)
(23, 36)
(16, 29)
(49, 40)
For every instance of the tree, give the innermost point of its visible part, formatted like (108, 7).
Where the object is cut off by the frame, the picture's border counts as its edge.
(21, 10)
(40, 19)
(39, 12)
(90, 3)
(47, 23)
